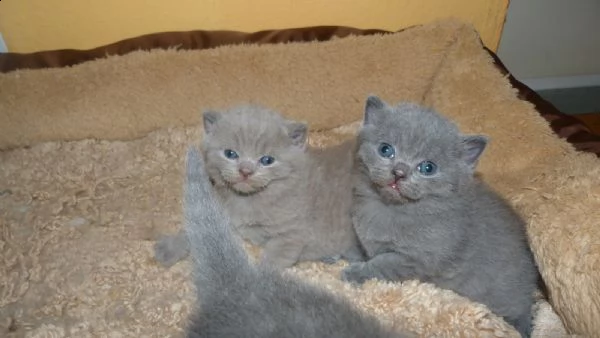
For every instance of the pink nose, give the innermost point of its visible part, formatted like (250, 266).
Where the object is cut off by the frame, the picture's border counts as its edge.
(400, 174)
(246, 172)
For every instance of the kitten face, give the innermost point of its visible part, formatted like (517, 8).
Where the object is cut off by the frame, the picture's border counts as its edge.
(410, 153)
(249, 147)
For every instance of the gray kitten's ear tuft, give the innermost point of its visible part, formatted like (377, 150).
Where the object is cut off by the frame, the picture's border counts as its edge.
(374, 104)
(472, 148)
(210, 119)
(298, 132)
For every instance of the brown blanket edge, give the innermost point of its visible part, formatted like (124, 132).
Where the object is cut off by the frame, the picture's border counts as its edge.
(189, 40)
(565, 126)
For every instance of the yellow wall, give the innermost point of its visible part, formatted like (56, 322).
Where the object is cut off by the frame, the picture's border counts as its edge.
(34, 25)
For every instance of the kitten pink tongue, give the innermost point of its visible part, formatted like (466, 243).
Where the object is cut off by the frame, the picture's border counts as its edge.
(394, 185)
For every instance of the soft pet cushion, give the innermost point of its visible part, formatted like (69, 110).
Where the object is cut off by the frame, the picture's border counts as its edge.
(571, 128)
(79, 218)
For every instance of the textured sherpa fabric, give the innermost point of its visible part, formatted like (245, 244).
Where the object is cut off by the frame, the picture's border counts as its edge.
(124, 97)
(78, 219)
(81, 218)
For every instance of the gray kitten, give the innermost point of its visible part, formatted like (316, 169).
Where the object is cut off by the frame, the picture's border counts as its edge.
(420, 213)
(291, 199)
(238, 299)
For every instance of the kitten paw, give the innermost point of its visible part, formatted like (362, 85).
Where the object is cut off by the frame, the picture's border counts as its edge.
(170, 250)
(331, 259)
(355, 274)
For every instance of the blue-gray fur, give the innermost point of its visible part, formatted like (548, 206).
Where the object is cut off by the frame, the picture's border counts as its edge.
(238, 299)
(448, 228)
(297, 208)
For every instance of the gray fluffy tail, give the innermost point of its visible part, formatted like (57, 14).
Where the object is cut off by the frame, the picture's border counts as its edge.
(218, 258)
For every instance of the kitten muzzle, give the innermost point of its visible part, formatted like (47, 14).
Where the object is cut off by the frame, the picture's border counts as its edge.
(245, 173)
(399, 173)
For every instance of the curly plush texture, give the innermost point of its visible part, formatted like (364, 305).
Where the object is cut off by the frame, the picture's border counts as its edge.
(78, 242)
(78, 219)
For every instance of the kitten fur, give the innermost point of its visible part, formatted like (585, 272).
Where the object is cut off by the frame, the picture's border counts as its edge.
(448, 228)
(297, 208)
(238, 299)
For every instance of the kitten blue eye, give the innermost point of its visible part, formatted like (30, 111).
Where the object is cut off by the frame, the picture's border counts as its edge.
(427, 168)
(266, 160)
(386, 150)
(230, 154)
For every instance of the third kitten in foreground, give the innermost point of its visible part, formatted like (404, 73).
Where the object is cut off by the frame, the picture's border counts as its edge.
(281, 194)
(240, 299)
(420, 213)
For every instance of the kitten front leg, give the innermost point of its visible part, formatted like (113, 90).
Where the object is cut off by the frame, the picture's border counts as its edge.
(352, 255)
(331, 259)
(282, 252)
(390, 266)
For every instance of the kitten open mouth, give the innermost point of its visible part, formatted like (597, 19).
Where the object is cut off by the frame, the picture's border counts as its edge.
(394, 185)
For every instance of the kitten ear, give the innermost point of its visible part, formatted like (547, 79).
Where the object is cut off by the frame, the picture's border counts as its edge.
(373, 105)
(298, 132)
(472, 148)
(210, 119)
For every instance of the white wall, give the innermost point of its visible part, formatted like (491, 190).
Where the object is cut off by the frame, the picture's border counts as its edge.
(545, 41)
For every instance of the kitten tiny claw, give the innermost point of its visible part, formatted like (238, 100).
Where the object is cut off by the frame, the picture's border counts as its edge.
(331, 259)
(355, 274)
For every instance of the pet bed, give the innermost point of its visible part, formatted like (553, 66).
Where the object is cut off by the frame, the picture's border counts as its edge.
(92, 164)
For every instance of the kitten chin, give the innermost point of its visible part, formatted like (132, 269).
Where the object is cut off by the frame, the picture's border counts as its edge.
(247, 188)
(393, 195)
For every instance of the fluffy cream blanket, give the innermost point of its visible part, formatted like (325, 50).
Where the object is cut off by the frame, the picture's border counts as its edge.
(92, 174)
